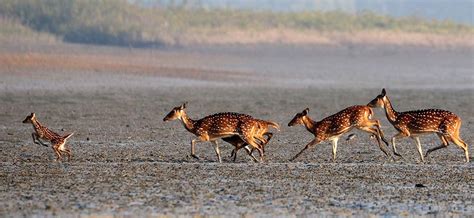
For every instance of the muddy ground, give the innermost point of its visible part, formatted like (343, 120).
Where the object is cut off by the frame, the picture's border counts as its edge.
(127, 161)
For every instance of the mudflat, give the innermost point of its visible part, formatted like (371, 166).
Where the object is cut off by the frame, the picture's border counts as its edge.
(127, 161)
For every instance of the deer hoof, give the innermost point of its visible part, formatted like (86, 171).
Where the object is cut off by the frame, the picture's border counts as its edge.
(397, 154)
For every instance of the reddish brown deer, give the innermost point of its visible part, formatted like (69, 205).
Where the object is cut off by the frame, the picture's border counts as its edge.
(216, 126)
(238, 144)
(262, 130)
(58, 142)
(444, 124)
(333, 127)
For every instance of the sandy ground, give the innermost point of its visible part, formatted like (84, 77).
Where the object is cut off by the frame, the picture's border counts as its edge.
(127, 161)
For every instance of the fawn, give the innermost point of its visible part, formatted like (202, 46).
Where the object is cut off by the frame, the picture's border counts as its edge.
(58, 142)
(238, 144)
(332, 127)
(262, 130)
(444, 124)
(216, 126)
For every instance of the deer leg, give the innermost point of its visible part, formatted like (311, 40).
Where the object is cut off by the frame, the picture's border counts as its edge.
(459, 142)
(251, 141)
(216, 148)
(36, 139)
(381, 134)
(233, 154)
(443, 145)
(315, 141)
(61, 148)
(418, 147)
(260, 152)
(334, 149)
(193, 143)
(269, 136)
(33, 135)
(264, 141)
(236, 141)
(261, 143)
(42, 143)
(399, 135)
(68, 152)
(247, 149)
(250, 153)
(261, 140)
(56, 151)
(375, 133)
(238, 144)
(237, 147)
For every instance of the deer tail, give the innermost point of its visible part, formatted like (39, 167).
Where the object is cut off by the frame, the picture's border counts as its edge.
(68, 136)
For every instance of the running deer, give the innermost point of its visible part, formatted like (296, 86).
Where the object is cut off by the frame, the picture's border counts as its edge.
(333, 127)
(444, 124)
(58, 142)
(262, 130)
(216, 126)
(238, 144)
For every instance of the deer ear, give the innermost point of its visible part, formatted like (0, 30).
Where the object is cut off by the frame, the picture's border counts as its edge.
(184, 105)
(32, 114)
(305, 112)
(384, 92)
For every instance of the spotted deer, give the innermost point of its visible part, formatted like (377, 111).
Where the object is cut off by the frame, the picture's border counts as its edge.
(262, 130)
(217, 126)
(58, 142)
(333, 127)
(238, 144)
(444, 124)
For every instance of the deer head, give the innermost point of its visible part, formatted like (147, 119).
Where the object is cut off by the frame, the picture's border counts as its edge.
(298, 119)
(176, 113)
(379, 100)
(29, 118)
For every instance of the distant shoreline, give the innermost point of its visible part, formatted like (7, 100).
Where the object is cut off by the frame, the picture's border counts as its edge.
(272, 38)
(318, 38)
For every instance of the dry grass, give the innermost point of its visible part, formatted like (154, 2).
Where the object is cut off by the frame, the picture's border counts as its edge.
(290, 36)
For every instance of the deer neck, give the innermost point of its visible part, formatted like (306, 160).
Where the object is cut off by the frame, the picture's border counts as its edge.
(389, 111)
(309, 124)
(36, 124)
(188, 123)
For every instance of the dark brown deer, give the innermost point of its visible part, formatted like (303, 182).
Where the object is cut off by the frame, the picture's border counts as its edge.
(444, 124)
(217, 126)
(333, 127)
(238, 144)
(58, 142)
